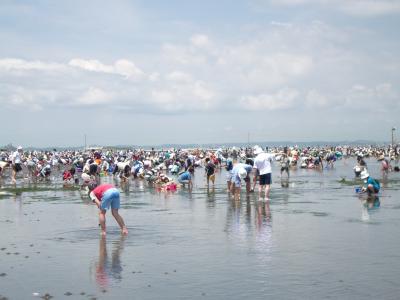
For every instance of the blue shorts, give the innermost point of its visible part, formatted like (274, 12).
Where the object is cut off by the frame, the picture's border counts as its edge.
(229, 176)
(236, 181)
(110, 198)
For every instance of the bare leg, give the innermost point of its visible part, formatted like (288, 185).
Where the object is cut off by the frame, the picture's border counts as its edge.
(213, 179)
(14, 176)
(237, 193)
(260, 187)
(248, 186)
(102, 221)
(119, 220)
(254, 182)
(267, 189)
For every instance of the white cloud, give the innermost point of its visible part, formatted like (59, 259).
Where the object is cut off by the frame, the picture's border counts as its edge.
(252, 73)
(178, 76)
(12, 64)
(128, 69)
(121, 67)
(283, 99)
(193, 96)
(257, 69)
(154, 76)
(19, 97)
(362, 8)
(200, 40)
(380, 98)
(183, 54)
(281, 24)
(94, 96)
(315, 99)
(201, 92)
(367, 8)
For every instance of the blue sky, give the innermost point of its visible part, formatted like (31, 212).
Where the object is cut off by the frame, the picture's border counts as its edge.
(154, 72)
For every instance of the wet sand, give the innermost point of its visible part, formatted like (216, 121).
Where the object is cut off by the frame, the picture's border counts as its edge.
(315, 239)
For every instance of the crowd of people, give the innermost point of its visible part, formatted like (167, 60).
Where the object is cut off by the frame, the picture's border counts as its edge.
(171, 169)
(162, 166)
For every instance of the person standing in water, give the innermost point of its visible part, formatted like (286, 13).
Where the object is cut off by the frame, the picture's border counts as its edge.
(16, 162)
(210, 172)
(106, 196)
(262, 163)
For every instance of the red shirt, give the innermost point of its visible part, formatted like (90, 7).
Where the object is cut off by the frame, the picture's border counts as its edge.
(67, 175)
(101, 189)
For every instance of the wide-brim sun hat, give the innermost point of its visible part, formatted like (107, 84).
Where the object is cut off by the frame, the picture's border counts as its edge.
(257, 150)
(242, 173)
(86, 177)
(364, 174)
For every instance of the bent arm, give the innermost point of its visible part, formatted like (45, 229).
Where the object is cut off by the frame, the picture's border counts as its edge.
(95, 199)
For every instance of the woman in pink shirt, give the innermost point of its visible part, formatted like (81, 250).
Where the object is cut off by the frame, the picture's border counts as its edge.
(106, 196)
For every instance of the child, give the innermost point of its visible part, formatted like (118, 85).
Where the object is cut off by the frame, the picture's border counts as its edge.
(68, 175)
(106, 196)
(186, 177)
(210, 171)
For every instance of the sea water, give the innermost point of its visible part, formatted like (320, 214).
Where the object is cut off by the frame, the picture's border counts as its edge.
(315, 239)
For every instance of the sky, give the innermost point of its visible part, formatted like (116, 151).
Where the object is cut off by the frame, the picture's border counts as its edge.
(180, 71)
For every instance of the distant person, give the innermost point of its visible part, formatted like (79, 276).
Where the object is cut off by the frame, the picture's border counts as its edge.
(68, 176)
(210, 171)
(239, 172)
(229, 167)
(372, 186)
(16, 163)
(186, 178)
(45, 171)
(318, 162)
(3, 165)
(385, 166)
(262, 163)
(106, 196)
(361, 161)
(285, 164)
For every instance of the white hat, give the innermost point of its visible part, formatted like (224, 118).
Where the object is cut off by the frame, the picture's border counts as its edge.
(242, 173)
(86, 177)
(257, 150)
(19, 148)
(364, 174)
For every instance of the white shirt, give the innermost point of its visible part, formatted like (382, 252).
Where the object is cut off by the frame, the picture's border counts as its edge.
(16, 157)
(3, 164)
(262, 163)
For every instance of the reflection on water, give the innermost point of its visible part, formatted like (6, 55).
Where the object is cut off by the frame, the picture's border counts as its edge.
(307, 237)
(263, 222)
(369, 204)
(109, 270)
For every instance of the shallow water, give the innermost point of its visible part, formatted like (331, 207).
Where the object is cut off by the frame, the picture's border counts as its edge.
(315, 239)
